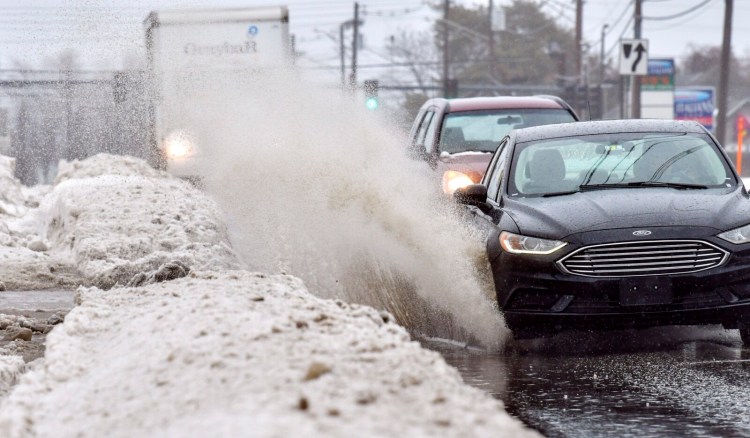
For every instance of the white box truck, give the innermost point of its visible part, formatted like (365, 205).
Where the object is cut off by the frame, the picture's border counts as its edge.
(191, 49)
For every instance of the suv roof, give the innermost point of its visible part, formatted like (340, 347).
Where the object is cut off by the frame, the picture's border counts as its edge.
(500, 102)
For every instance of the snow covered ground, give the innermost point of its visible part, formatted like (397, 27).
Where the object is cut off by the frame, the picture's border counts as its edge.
(218, 352)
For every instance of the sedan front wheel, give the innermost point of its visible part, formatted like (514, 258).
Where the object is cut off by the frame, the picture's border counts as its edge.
(745, 335)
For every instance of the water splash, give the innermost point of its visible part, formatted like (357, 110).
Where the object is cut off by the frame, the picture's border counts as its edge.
(319, 188)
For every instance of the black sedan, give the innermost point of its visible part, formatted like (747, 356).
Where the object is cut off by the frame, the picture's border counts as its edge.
(615, 224)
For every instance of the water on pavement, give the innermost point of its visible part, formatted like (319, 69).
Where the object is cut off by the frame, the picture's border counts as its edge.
(659, 382)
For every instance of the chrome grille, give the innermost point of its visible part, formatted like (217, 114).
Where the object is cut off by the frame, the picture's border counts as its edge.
(651, 257)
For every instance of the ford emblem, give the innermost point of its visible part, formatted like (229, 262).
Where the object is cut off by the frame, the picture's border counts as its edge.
(642, 233)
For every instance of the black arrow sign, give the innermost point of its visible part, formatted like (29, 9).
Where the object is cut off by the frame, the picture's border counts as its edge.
(640, 49)
(626, 49)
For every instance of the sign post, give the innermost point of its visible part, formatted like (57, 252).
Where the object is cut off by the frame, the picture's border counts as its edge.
(634, 62)
(657, 90)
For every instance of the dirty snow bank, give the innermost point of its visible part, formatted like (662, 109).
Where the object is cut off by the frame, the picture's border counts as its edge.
(240, 354)
(23, 262)
(113, 217)
(11, 368)
(11, 195)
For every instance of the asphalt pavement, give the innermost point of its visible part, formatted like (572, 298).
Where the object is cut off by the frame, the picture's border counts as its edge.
(665, 382)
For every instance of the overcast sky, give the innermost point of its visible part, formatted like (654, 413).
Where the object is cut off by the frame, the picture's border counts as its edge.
(107, 32)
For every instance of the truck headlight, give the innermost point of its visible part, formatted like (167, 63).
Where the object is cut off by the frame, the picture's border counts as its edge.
(178, 145)
(454, 180)
(518, 244)
(737, 236)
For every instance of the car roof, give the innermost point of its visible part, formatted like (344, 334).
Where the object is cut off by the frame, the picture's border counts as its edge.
(498, 102)
(606, 127)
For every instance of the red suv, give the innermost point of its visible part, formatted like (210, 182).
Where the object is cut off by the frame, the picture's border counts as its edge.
(458, 136)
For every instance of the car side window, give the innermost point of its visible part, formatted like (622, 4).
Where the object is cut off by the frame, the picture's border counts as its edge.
(422, 131)
(490, 167)
(496, 178)
(429, 138)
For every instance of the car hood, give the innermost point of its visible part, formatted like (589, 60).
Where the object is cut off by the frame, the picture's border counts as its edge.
(560, 216)
(465, 162)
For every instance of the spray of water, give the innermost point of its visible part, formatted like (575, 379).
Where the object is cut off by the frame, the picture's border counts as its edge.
(318, 187)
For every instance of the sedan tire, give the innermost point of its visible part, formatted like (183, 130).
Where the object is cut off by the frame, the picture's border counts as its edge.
(745, 335)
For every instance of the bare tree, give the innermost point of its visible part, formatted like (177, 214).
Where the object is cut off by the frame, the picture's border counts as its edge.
(416, 52)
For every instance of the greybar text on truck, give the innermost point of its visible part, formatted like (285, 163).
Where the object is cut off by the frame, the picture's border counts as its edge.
(221, 49)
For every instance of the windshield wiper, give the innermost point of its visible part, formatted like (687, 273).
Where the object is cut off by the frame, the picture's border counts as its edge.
(569, 192)
(630, 185)
(581, 188)
(672, 185)
(636, 184)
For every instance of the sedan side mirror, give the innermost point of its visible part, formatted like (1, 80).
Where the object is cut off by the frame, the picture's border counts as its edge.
(474, 195)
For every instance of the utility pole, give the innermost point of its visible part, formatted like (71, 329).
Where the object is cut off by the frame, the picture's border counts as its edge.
(601, 71)
(446, 53)
(636, 80)
(726, 51)
(343, 54)
(579, 40)
(491, 36)
(355, 43)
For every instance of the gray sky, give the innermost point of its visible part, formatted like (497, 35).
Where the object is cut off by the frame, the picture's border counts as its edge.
(107, 32)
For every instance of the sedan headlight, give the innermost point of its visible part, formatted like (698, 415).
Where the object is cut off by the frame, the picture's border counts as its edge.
(737, 236)
(454, 180)
(178, 145)
(518, 244)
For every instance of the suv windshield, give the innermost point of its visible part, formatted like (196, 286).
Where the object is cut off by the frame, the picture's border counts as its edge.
(593, 162)
(481, 131)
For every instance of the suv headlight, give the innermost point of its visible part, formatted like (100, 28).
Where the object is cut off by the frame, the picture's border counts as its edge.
(178, 145)
(518, 244)
(454, 180)
(737, 236)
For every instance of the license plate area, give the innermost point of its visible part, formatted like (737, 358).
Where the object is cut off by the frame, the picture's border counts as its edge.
(645, 291)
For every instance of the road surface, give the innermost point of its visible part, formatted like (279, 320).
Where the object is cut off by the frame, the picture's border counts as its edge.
(676, 382)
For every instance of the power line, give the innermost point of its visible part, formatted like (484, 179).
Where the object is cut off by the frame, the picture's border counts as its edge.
(680, 23)
(612, 25)
(680, 14)
(617, 42)
(508, 59)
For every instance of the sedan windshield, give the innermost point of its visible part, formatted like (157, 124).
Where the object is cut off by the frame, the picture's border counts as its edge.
(481, 131)
(628, 160)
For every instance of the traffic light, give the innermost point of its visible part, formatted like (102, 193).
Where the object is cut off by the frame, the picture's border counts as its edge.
(371, 94)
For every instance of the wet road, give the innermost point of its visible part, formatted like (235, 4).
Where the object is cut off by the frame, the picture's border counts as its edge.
(37, 307)
(43, 300)
(673, 382)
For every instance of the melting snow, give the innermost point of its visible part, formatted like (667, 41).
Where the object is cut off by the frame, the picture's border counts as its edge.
(220, 352)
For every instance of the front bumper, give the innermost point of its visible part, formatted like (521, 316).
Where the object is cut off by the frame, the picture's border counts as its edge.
(534, 293)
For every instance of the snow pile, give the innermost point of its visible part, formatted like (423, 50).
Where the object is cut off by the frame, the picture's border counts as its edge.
(240, 354)
(115, 217)
(217, 352)
(106, 164)
(11, 193)
(107, 219)
(11, 369)
(23, 262)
